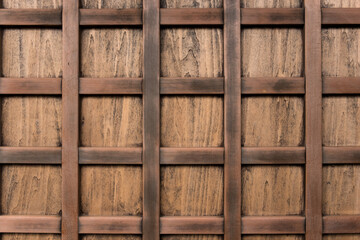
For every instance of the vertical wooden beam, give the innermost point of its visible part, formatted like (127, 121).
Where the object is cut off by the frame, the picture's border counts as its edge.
(70, 120)
(313, 120)
(151, 105)
(232, 114)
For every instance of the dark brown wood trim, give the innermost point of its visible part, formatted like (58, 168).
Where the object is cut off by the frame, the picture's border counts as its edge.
(341, 224)
(273, 225)
(273, 155)
(30, 155)
(151, 121)
(272, 16)
(262, 85)
(110, 155)
(341, 85)
(192, 85)
(179, 156)
(30, 17)
(191, 16)
(232, 120)
(191, 225)
(313, 120)
(70, 121)
(29, 224)
(110, 86)
(111, 17)
(340, 16)
(30, 86)
(341, 155)
(110, 225)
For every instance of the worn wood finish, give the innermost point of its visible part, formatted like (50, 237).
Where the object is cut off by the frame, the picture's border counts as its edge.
(191, 225)
(313, 129)
(342, 237)
(115, 155)
(42, 86)
(110, 225)
(70, 119)
(268, 16)
(263, 196)
(192, 16)
(30, 155)
(29, 224)
(119, 192)
(30, 17)
(97, 17)
(341, 155)
(191, 156)
(340, 4)
(31, 237)
(191, 4)
(342, 224)
(273, 155)
(110, 86)
(262, 85)
(273, 225)
(341, 85)
(273, 237)
(113, 4)
(192, 85)
(110, 237)
(38, 4)
(271, 4)
(340, 16)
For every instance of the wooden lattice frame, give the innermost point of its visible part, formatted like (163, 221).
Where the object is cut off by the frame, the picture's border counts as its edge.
(151, 156)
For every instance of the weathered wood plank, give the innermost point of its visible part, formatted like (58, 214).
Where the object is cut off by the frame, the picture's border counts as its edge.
(272, 16)
(191, 225)
(111, 17)
(340, 16)
(101, 155)
(43, 86)
(263, 85)
(273, 225)
(30, 155)
(341, 85)
(29, 224)
(341, 155)
(110, 86)
(191, 156)
(341, 224)
(273, 155)
(192, 85)
(191, 16)
(110, 225)
(30, 17)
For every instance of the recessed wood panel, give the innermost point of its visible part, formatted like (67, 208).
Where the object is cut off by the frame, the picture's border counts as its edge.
(191, 237)
(273, 237)
(192, 191)
(111, 121)
(272, 190)
(30, 190)
(111, 52)
(272, 121)
(271, 3)
(191, 3)
(340, 3)
(276, 52)
(114, 4)
(341, 190)
(30, 237)
(44, 4)
(342, 237)
(111, 190)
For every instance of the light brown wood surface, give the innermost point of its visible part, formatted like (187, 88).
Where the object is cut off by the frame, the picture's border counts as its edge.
(273, 237)
(114, 4)
(191, 3)
(342, 237)
(340, 3)
(44, 4)
(271, 3)
(30, 237)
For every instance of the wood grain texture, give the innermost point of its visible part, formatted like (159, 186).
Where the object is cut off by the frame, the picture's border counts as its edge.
(273, 225)
(342, 237)
(341, 190)
(192, 16)
(31, 52)
(273, 155)
(271, 3)
(276, 52)
(113, 155)
(118, 17)
(272, 16)
(269, 190)
(110, 237)
(45, 86)
(190, 156)
(341, 155)
(266, 85)
(110, 52)
(192, 191)
(30, 237)
(27, 190)
(30, 224)
(111, 121)
(43, 4)
(341, 85)
(110, 225)
(30, 17)
(339, 16)
(30, 155)
(115, 4)
(273, 237)
(191, 225)
(341, 125)
(340, 3)
(192, 237)
(345, 224)
(272, 121)
(191, 3)
(111, 190)
(31, 121)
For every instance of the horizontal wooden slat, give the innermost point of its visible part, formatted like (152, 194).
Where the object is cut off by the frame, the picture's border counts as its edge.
(191, 16)
(341, 85)
(192, 156)
(341, 224)
(30, 155)
(110, 86)
(273, 225)
(30, 224)
(30, 17)
(110, 225)
(30, 85)
(262, 85)
(341, 155)
(117, 17)
(340, 16)
(272, 16)
(191, 225)
(192, 85)
(110, 155)
(273, 155)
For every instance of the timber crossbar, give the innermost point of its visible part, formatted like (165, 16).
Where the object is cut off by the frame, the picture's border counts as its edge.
(151, 155)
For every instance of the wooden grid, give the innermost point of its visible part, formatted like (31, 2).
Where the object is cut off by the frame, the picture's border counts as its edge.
(151, 225)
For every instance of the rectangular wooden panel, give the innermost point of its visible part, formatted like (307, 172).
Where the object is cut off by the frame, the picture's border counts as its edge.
(105, 155)
(42, 86)
(273, 237)
(29, 224)
(110, 225)
(341, 85)
(341, 224)
(192, 16)
(176, 156)
(191, 237)
(271, 4)
(110, 4)
(341, 237)
(268, 16)
(191, 4)
(191, 225)
(110, 237)
(340, 4)
(19, 236)
(34, 4)
(108, 17)
(340, 16)
(273, 155)
(341, 155)
(30, 155)
(110, 86)
(273, 225)
(257, 85)
(30, 17)
(191, 85)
